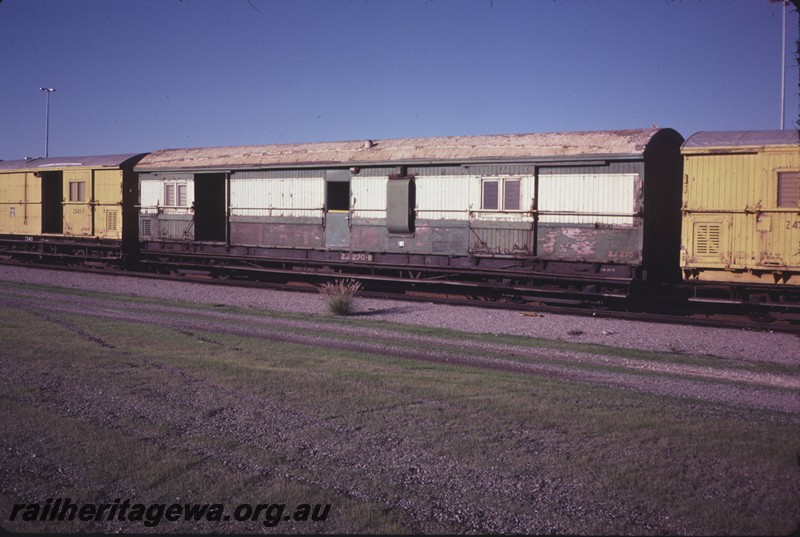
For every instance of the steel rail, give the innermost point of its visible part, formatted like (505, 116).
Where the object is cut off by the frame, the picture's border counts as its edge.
(492, 298)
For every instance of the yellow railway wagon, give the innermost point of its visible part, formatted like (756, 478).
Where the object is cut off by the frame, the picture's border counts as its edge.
(69, 199)
(741, 208)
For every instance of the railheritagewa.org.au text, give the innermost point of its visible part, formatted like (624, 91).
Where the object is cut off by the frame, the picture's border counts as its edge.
(153, 514)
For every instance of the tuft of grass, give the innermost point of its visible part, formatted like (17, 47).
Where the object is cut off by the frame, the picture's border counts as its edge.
(341, 295)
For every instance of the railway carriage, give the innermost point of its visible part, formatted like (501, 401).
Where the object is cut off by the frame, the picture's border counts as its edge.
(741, 215)
(68, 208)
(586, 214)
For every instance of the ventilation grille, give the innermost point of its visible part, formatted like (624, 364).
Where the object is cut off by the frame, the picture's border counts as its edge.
(707, 239)
(146, 227)
(789, 189)
(111, 221)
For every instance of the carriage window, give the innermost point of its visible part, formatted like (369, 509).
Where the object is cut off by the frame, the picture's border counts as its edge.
(505, 190)
(490, 197)
(511, 194)
(175, 195)
(788, 189)
(77, 191)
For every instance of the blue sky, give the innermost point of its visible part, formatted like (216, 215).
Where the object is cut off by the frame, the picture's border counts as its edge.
(140, 75)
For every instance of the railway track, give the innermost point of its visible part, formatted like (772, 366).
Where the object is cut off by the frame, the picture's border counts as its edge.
(665, 310)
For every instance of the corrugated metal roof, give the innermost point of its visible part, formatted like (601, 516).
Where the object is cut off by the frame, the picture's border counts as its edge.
(741, 139)
(50, 163)
(567, 145)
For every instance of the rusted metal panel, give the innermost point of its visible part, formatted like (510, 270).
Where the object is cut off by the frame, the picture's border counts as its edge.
(246, 233)
(292, 235)
(440, 237)
(590, 244)
(532, 147)
(283, 232)
(445, 237)
(369, 235)
(448, 240)
(501, 238)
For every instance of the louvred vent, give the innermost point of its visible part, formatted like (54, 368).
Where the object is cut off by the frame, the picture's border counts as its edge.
(707, 239)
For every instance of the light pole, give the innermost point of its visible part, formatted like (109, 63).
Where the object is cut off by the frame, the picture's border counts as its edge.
(783, 4)
(47, 92)
(783, 66)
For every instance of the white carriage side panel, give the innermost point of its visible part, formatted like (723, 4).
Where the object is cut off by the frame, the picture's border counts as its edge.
(527, 192)
(151, 193)
(587, 198)
(368, 196)
(277, 196)
(189, 195)
(444, 197)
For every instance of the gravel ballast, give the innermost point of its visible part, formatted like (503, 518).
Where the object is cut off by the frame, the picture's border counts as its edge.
(759, 346)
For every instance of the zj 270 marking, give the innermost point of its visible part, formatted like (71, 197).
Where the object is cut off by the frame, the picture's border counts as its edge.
(621, 254)
(346, 256)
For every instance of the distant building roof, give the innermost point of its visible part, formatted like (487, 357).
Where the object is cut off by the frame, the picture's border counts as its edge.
(742, 139)
(549, 146)
(98, 161)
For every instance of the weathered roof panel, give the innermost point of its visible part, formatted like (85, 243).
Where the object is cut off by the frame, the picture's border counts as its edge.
(707, 139)
(96, 161)
(569, 145)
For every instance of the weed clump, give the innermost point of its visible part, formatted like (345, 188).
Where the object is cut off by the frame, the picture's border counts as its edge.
(341, 295)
